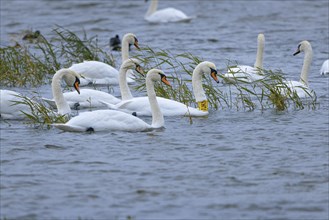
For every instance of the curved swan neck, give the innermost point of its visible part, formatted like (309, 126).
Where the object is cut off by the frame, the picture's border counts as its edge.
(124, 89)
(260, 51)
(197, 86)
(125, 49)
(157, 116)
(63, 107)
(152, 8)
(306, 65)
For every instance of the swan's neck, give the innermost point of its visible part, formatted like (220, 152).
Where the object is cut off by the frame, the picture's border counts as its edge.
(124, 89)
(152, 8)
(198, 91)
(306, 66)
(157, 116)
(63, 107)
(125, 49)
(260, 53)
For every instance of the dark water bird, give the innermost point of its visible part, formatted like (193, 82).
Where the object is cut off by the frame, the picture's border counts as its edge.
(31, 35)
(115, 43)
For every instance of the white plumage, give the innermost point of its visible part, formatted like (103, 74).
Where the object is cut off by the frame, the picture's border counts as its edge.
(325, 68)
(164, 15)
(10, 108)
(141, 106)
(245, 73)
(301, 87)
(101, 120)
(89, 98)
(95, 72)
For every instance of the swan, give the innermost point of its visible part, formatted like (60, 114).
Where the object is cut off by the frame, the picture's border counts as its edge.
(11, 106)
(325, 68)
(71, 78)
(90, 98)
(101, 120)
(141, 107)
(164, 15)
(301, 87)
(246, 73)
(96, 72)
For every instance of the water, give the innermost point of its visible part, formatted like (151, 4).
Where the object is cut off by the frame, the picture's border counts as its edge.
(231, 165)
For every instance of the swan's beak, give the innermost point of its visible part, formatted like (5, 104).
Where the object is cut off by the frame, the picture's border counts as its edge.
(164, 80)
(213, 74)
(136, 44)
(140, 70)
(77, 84)
(297, 52)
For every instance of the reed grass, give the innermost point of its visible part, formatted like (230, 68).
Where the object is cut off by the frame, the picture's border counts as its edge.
(40, 116)
(32, 64)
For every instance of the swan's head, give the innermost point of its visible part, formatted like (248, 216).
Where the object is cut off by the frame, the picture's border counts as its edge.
(303, 46)
(157, 75)
(261, 38)
(132, 63)
(209, 68)
(72, 78)
(131, 39)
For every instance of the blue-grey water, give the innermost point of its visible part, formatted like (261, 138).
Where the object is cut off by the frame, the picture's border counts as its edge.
(234, 164)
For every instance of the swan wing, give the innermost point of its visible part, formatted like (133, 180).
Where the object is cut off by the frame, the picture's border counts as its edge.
(141, 106)
(89, 98)
(325, 68)
(102, 120)
(96, 72)
(243, 73)
(10, 108)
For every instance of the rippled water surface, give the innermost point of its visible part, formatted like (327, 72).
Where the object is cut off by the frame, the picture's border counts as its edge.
(230, 165)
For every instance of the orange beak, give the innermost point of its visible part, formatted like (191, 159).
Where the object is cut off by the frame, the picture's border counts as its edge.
(213, 74)
(77, 84)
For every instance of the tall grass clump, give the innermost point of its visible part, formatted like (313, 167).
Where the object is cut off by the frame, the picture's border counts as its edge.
(33, 63)
(179, 69)
(18, 67)
(39, 116)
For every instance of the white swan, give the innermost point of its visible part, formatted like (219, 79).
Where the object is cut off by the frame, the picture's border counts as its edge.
(71, 78)
(90, 98)
(164, 15)
(246, 73)
(11, 106)
(102, 120)
(96, 72)
(141, 107)
(325, 68)
(301, 87)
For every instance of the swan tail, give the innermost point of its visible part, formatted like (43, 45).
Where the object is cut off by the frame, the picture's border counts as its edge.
(71, 128)
(50, 102)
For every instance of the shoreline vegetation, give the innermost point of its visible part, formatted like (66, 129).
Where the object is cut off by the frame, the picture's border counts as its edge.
(32, 63)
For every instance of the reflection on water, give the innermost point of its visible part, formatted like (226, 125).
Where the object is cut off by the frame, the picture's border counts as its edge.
(231, 165)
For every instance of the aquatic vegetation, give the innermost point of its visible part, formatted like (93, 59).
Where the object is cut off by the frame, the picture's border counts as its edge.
(263, 94)
(40, 116)
(32, 64)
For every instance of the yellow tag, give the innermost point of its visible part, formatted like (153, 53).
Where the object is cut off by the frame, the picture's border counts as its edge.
(203, 105)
